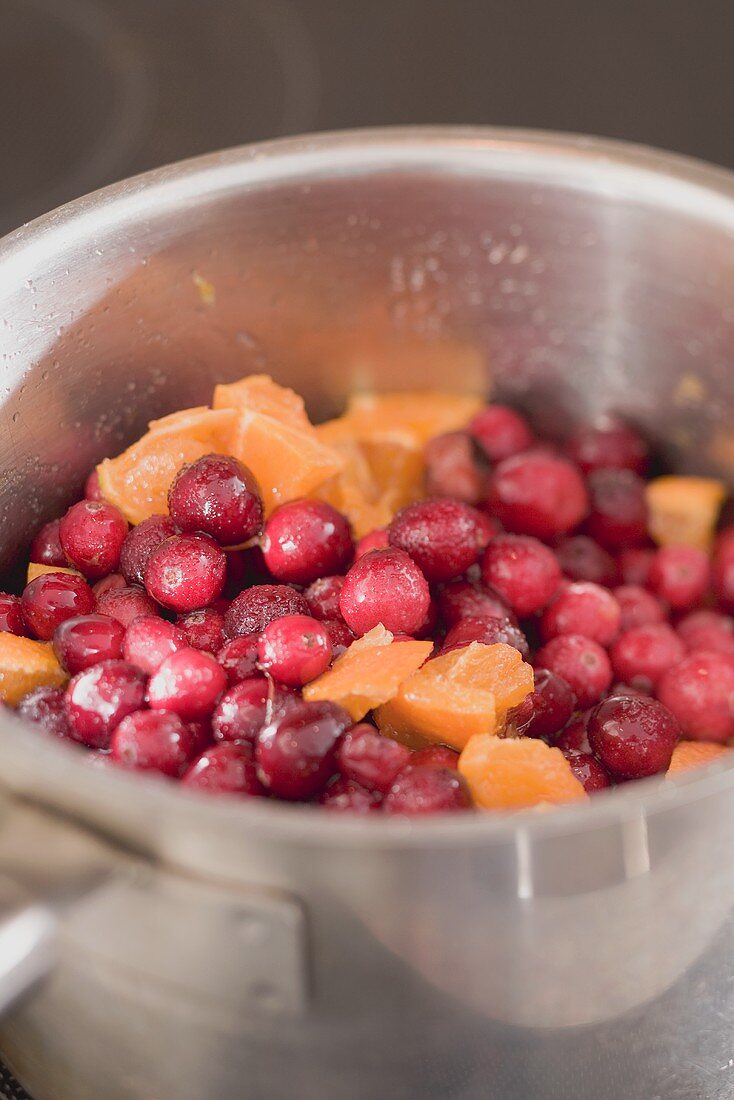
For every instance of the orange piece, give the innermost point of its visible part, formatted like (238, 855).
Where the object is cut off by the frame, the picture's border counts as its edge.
(419, 414)
(258, 393)
(694, 754)
(515, 773)
(460, 694)
(684, 510)
(24, 665)
(36, 569)
(369, 673)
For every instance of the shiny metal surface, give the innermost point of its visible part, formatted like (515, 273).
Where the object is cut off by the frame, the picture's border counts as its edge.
(584, 952)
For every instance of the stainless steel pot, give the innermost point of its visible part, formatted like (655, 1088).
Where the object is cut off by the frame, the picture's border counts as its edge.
(200, 948)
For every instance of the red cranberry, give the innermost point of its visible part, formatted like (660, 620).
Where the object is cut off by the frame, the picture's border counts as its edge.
(639, 607)
(646, 652)
(100, 697)
(635, 563)
(367, 757)
(238, 658)
(435, 756)
(296, 753)
(186, 572)
(92, 533)
(722, 571)
(11, 614)
(538, 494)
(153, 740)
(241, 712)
(425, 789)
(583, 608)
(218, 495)
(464, 600)
(341, 636)
(202, 736)
(501, 432)
(322, 597)
(607, 444)
(592, 775)
(552, 703)
(707, 630)
(699, 691)
(486, 631)
(140, 543)
(126, 604)
(149, 640)
(189, 682)
(680, 575)
(53, 597)
(582, 559)
(443, 537)
(522, 570)
(385, 586)
(46, 707)
(253, 609)
(581, 662)
(633, 737)
(113, 582)
(86, 640)
(618, 515)
(642, 687)
(295, 649)
(452, 469)
(574, 735)
(376, 540)
(46, 548)
(203, 629)
(92, 490)
(306, 539)
(345, 796)
(225, 769)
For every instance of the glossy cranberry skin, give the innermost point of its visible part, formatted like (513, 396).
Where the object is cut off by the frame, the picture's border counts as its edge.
(140, 543)
(153, 740)
(53, 597)
(46, 707)
(111, 583)
(523, 571)
(46, 548)
(633, 737)
(638, 606)
(346, 796)
(435, 756)
(340, 635)
(538, 494)
(680, 575)
(618, 515)
(443, 537)
(126, 604)
(100, 697)
(92, 490)
(375, 540)
(463, 600)
(634, 564)
(85, 640)
(322, 597)
(306, 539)
(238, 658)
(699, 691)
(11, 614)
(501, 432)
(370, 759)
(425, 789)
(592, 775)
(581, 662)
(225, 769)
(486, 631)
(645, 652)
(186, 572)
(241, 712)
(582, 608)
(189, 683)
(608, 443)
(583, 559)
(296, 754)
(385, 586)
(552, 702)
(92, 533)
(452, 468)
(295, 649)
(253, 609)
(574, 735)
(203, 629)
(149, 640)
(218, 495)
(707, 630)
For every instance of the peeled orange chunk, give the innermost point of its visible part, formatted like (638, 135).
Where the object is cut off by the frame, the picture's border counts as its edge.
(684, 510)
(369, 673)
(420, 415)
(460, 694)
(515, 773)
(259, 393)
(36, 569)
(694, 754)
(24, 665)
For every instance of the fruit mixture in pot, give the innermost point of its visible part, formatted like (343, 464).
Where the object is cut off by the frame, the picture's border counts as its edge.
(418, 607)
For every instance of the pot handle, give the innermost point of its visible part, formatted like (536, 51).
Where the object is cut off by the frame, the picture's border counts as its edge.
(27, 942)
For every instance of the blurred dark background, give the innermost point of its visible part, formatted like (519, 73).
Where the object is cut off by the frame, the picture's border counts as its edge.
(93, 90)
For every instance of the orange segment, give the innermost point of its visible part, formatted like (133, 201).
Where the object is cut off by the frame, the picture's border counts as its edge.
(35, 569)
(515, 773)
(369, 673)
(25, 665)
(684, 510)
(259, 393)
(420, 414)
(694, 754)
(460, 694)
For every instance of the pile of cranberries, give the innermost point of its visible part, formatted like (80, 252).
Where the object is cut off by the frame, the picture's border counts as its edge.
(187, 658)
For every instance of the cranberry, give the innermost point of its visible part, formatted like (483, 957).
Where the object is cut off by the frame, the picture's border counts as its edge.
(306, 539)
(592, 775)
(296, 753)
(202, 735)
(501, 432)
(295, 649)
(552, 702)
(92, 533)
(574, 735)
(85, 640)
(618, 516)
(218, 495)
(225, 769)
(367, 757)
(11, 614)
(53, 597)
(646, 652)
(46, 548)
(241, 712)
(253, 609)
(385, 586)
(639, 607)
(153, 740)
(582, 559)
(426, 789)
(452, 469)
(189, 682)
(186, 572)
(92, 490)
(238, 658)
(341, 636)
(581, 662)
(523, 571)
(126, 604)
(345, 796)
(486, 631)
(722, 571)
(46, 707)
(149, 640)
(113, 582)
(635, 563)
(140, 543)
(608, 443)
(538, 494)
(633, 737)
(707, 630)
(680, 575)
(322, 597)
(464, 600)
(203, 629)
(435, 756)
(582, 608)
(100, 697)
(699, 691)
(443, 537)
